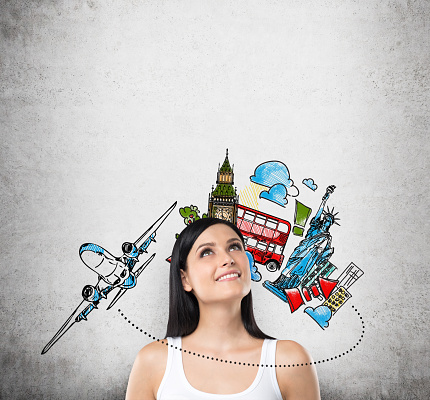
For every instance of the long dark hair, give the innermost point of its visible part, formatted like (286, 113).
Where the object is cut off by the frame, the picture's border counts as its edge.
(184, 313)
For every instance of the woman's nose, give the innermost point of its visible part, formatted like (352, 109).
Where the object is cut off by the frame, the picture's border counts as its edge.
(228, 260)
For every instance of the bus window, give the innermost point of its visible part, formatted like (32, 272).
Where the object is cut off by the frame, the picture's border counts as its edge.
(257, 229)
(260, 220)
(240, 212)
(283, 227)
(271, 224)
(269, 233)
(271, 247)
(278, 249)
(251, 242)
(261, 246)
(249, 216)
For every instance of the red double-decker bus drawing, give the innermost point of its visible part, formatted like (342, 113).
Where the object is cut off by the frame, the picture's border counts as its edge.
(265, 236)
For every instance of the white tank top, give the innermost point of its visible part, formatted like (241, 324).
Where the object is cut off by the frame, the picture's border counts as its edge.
(175, 386)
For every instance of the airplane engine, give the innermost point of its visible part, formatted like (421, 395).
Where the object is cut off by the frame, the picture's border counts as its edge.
(90, 293)
(130, 249)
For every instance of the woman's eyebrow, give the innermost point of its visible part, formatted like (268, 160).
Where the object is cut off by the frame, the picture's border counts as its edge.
(213, 244)
(205, 244)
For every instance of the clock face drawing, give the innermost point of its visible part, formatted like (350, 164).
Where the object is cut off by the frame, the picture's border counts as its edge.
(225, 213)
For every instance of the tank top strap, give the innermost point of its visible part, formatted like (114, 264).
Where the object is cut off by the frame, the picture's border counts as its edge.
(175, 343)
(269, 362)
(174, 363)
(270, 352)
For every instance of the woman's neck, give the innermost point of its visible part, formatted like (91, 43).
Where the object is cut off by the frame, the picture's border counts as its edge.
(220, 327)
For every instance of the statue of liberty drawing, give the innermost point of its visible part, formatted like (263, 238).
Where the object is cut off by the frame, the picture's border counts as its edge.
(315, 248)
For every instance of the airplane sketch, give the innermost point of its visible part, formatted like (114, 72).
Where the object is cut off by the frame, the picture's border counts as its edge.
(112, 272)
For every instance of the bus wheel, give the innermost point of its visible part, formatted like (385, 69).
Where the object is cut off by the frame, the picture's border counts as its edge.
(272, 266)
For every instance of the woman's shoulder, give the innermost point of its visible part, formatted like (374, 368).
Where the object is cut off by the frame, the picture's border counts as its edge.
(291, 352)
(153, 353)
(148, 371)
(298, 379)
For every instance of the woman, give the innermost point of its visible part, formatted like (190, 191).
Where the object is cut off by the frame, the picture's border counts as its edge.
(211, 319)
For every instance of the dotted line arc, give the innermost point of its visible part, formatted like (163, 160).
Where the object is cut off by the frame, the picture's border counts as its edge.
(164, 341)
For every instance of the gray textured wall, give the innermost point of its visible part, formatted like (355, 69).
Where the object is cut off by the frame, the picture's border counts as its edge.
(110, 111)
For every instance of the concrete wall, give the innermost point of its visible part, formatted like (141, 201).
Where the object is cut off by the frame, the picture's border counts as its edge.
(111, 111)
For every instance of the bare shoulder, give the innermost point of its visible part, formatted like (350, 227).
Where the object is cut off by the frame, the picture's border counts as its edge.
(291, 352)
(147, 372)
(153, 353)
(298, 379)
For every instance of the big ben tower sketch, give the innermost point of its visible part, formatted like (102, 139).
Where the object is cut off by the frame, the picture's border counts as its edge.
(224, 199)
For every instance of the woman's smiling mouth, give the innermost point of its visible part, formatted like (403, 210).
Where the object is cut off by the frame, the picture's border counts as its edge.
(228, 276)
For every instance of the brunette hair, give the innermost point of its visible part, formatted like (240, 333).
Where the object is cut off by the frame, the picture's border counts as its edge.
(184, 313)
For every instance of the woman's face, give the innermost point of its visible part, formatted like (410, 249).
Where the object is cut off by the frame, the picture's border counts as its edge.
(217, 266)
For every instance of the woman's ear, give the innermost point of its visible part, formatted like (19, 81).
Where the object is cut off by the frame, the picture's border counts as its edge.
(186, 285)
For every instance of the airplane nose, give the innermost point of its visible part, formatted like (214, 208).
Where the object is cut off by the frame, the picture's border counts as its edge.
(92, 247)
(91, 255)
(90, 259)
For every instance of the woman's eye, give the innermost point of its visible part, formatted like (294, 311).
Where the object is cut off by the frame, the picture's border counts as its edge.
(205, 252)
(235, 246)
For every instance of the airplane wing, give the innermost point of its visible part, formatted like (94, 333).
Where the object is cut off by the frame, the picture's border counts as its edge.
(153, 228)
(66, 326)
(75, 316)
(143, 266)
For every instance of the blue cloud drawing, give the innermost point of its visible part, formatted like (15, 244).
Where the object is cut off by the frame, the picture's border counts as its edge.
(275, 175)
(255, 275)
(277, 194)
(272, 172)
(310, 184)
(321, 315)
